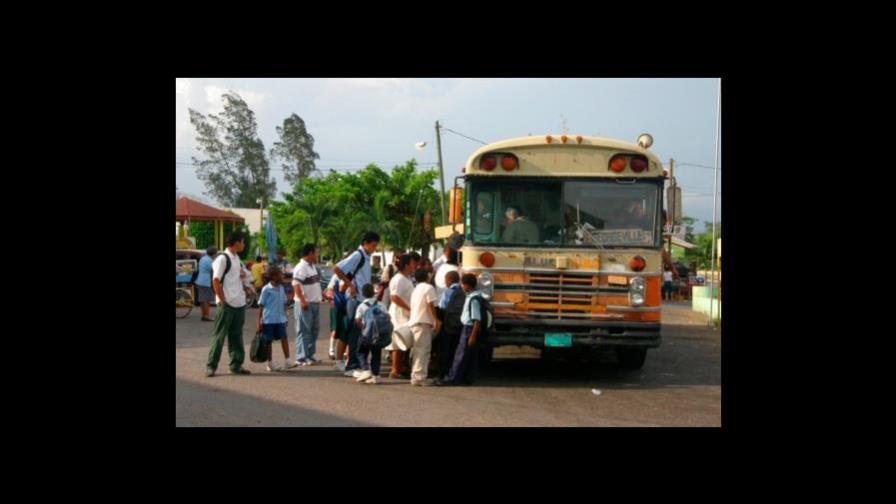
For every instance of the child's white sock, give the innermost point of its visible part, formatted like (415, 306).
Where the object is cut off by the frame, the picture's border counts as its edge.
(332, 345)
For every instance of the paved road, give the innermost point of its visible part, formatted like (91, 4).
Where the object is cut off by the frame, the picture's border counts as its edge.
(679, 385)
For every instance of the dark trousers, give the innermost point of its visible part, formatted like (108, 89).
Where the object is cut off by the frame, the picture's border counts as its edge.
(228, 325)
(463, 369)
(445, 345)
(353, 334)
(376, 354)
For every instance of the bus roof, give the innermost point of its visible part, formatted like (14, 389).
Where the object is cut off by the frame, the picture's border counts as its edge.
(579, 156)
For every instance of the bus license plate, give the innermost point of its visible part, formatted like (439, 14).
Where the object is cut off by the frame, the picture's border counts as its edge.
(557, 339)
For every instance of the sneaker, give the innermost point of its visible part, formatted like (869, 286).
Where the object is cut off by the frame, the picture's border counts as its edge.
(209, 372)
(290, 364)
(421, 383)
(373, 380)
(304, 362)
(364, 375)
(271, 367)
(357, 372)
(240, 371)
(332, 356)
(399, 376)
(312, 361)
(340, 366)
(350, 374)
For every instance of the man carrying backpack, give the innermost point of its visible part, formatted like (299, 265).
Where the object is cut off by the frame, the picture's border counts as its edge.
(463, 369)
(355, 271)
(376, 332)
(449, 310)
(227, 281)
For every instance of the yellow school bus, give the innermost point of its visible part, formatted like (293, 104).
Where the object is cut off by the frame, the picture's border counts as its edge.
(564, 234)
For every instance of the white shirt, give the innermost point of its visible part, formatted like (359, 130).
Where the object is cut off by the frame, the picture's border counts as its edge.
(232, 284)
(667, 276)
(440, 277)
(402, 287)
(438, 263)
(305, 272)
(424, 294)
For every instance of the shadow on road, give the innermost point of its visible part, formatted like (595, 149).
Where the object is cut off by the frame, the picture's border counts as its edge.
(204, 406)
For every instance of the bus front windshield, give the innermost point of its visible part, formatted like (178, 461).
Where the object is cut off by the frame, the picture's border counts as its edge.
(572, 213)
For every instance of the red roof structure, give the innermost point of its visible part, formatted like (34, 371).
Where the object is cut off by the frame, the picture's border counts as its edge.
(193, 210)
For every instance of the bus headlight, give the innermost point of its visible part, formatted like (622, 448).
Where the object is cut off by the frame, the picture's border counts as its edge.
(636, 291)
(486, 284)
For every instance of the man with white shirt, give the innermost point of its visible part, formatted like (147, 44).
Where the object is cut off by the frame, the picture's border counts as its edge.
(423, 322)
(400, 290)
(308, 296)
(450, 265)
(227, 281)
(446, 252)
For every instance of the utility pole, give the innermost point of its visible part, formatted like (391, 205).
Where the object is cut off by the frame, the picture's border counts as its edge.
(441, 176)
(671, 217)
(715, 195)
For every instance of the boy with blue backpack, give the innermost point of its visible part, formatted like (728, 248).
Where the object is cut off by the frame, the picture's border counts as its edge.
(375, 325)
(473, 318)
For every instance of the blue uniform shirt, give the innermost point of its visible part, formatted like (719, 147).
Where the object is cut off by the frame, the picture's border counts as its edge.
(205, 272)
(446, 296)
(273, 300)
(363, 276)
(472, 311)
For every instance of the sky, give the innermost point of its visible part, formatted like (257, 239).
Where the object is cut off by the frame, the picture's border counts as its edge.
(358, 121)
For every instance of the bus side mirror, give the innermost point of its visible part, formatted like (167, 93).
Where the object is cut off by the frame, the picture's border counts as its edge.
(455, 212)
(673, 202)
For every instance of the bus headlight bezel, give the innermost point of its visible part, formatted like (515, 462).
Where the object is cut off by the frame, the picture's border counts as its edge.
(637, 288)
(486, 284)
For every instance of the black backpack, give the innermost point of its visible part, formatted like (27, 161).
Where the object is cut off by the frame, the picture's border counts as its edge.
(488, 314)
(451, 314)
(226, 268)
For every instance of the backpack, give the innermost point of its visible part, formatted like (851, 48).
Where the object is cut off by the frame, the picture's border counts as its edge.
(451, 314)
(487, 312)
(378, 328)
(340, 298)
(226, 268)
(258, 350)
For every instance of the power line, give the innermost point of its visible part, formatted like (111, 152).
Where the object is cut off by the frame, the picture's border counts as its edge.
(697, 165)
(461, 134)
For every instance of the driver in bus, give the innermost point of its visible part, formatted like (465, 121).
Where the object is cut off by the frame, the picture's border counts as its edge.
(518, 229)
(631, 216)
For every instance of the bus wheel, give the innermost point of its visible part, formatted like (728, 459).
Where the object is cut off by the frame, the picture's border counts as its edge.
(631, 358)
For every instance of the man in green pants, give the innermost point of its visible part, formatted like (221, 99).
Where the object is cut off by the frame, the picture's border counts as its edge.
(227, 281)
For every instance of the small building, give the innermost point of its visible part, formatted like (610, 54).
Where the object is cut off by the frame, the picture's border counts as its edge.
(188, 210)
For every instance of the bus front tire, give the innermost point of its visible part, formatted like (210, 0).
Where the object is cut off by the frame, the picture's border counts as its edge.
(631, 358)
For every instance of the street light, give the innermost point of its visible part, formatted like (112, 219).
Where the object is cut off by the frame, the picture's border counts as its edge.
(419, 146)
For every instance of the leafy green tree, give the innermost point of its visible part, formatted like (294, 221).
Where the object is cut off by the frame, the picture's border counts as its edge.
(295, 149)
(235, 170)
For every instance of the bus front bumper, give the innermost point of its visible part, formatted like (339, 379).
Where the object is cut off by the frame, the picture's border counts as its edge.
(584, 333)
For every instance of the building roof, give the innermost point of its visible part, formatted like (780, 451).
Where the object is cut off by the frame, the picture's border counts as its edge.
(188, 209)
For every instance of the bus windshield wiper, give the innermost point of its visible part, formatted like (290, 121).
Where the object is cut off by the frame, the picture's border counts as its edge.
(584, 232)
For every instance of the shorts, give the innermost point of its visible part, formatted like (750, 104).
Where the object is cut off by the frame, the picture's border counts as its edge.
(205, 294)
(271, 332)
(332, 319)
(341, 328)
